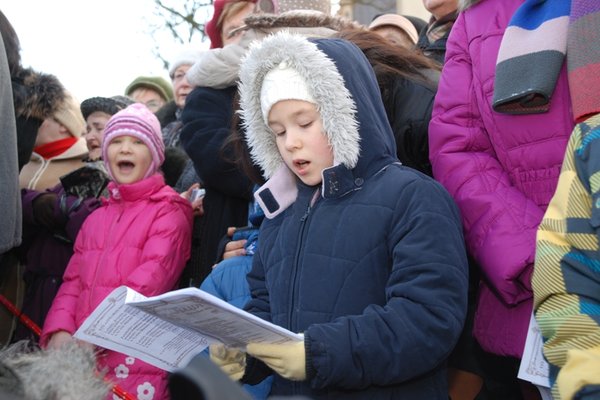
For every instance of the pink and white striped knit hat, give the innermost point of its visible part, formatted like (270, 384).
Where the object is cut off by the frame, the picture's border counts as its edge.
(138, 121)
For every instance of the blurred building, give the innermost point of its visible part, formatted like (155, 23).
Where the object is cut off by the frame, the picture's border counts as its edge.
(364, 11)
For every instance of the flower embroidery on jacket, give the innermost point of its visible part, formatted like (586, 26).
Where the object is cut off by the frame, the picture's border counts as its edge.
(121, 371)
(145, 391)
(129, 360)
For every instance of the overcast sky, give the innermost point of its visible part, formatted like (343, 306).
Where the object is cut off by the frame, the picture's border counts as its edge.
(95, 48)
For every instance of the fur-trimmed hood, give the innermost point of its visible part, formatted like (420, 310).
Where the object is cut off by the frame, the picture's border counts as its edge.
(219, 68)
(464, 4)
(37, 94)
(344, 87)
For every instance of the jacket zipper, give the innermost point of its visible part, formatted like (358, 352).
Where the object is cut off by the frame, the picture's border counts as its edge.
(297, 263)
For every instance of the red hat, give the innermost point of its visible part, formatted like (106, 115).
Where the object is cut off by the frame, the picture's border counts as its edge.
(211, 26)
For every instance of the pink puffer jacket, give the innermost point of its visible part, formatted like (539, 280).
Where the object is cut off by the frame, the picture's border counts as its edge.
(141, 238)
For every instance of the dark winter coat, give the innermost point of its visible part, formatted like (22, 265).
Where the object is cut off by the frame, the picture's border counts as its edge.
(408, 106)
(207, 120)
(374, 271)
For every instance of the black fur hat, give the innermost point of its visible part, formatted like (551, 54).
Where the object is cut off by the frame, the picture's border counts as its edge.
(36, 94)
(109, 105)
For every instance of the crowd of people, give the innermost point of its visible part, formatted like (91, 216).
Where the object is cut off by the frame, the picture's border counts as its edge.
(404, 194)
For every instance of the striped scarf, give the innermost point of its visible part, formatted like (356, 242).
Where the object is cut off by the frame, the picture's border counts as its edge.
(531, 56)
(533, 50)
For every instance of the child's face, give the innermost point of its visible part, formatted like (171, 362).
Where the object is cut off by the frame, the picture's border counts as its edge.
(129, 159)
(300, 138)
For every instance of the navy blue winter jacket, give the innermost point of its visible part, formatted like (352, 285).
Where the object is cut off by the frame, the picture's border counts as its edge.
(374, 273)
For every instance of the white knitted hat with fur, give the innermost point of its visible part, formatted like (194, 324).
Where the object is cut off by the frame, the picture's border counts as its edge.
(282, 83)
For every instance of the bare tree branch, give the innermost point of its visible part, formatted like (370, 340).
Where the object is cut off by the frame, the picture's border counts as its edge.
(183, 21)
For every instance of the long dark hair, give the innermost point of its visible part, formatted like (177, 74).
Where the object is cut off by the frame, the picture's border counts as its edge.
(388, 60)
(235, 148)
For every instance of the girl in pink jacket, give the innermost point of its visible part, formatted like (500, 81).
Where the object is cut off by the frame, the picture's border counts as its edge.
(140, 237)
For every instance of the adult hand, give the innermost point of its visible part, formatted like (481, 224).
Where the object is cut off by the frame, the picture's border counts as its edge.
(231, 361)
(43, 210)
(287, 360)
(197, 204)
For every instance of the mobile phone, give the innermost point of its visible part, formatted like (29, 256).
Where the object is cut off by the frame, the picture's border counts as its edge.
(196, 194)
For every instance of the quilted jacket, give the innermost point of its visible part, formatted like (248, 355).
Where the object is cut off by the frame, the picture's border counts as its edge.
(501, 169)
(374, 272)
(140, 237)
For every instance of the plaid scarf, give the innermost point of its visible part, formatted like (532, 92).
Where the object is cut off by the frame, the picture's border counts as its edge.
(439, 28)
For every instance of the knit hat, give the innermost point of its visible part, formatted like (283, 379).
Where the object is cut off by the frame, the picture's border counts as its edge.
(397, 21)
(282, 83)
(138, 121)
(108, 105)
(69, 115)
(211, 29)
(156, 83)
(185, 57)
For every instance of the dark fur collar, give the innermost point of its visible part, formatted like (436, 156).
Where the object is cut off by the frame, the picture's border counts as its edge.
(299, 19)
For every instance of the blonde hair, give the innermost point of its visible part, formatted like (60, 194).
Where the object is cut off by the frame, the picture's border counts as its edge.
(229, 9)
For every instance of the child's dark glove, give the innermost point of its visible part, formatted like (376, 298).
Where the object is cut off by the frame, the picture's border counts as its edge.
(44, 207)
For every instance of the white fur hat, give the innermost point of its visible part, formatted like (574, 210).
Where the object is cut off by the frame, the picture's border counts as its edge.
(188, 56)
(282, 83)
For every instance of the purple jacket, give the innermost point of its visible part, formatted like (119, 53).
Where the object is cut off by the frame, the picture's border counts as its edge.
(501, 169)
(47, 252)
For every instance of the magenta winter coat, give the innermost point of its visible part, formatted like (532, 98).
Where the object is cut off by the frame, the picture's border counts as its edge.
(501, 169)
(141, 238)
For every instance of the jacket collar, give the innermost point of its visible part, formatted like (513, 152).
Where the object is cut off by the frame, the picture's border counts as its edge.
(137, 190)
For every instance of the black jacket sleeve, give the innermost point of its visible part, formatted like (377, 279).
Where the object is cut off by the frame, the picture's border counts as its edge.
(408, 106)
(207, 122)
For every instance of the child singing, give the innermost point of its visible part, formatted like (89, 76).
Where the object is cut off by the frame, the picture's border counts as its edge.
(362, 255)
(140, 237)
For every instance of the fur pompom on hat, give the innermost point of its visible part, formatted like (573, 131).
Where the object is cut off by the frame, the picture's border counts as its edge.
(282, 83)
(108, 105)
(156, 83)
(38, 95)
(138, 121)
(69, 115)
(185, 57)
